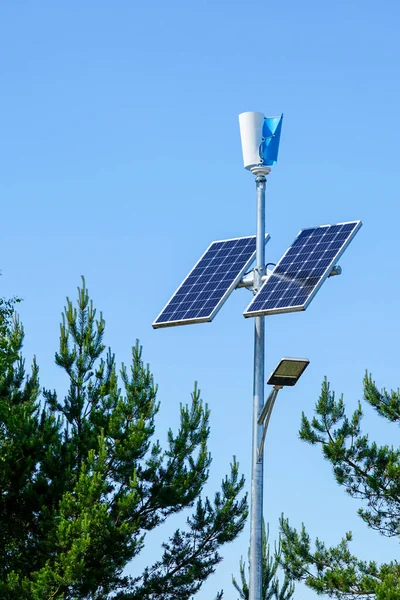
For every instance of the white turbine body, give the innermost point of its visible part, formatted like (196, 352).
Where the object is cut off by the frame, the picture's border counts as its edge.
(251, 127)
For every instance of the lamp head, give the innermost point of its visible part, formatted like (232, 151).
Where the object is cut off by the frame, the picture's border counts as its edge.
(288, 372)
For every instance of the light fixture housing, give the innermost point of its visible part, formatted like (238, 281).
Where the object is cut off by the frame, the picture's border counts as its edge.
(288, 372)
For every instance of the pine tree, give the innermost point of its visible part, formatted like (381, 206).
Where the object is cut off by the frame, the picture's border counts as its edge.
(368, 472)
(7, 307)
(271, 586)
(82, 480)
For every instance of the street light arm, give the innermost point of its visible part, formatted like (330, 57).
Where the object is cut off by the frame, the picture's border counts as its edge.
(265, 417)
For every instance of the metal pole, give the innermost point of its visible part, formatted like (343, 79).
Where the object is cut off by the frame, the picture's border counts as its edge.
(255, 587)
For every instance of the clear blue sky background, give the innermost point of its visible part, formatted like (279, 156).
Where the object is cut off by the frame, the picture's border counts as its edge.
(120, 159)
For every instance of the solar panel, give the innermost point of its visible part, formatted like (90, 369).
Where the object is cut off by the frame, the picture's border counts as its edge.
(209, 283)
(302, 270)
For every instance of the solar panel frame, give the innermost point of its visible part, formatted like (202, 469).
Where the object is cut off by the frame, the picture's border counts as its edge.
(229, 290)
(303, 306)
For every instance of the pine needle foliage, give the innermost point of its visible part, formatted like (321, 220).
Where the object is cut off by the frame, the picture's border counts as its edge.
(272, 588)
(83, 480)
(369, 473)
(7, 343)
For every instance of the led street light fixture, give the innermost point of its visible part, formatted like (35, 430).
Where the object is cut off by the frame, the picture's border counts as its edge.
(288, 371)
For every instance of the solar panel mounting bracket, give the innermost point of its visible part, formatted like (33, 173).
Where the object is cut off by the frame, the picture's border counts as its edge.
(336, 270)
(247, 280)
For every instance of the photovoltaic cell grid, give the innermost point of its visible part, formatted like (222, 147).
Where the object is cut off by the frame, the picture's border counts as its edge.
(210, 282)
(303, 268)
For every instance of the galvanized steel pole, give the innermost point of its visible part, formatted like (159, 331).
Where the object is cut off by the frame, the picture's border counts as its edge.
(255, 587)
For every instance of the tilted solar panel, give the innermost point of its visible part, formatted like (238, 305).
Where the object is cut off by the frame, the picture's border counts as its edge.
(209, 283)
(303, 268)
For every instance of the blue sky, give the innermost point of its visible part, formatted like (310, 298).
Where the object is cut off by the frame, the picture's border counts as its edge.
(120, 159)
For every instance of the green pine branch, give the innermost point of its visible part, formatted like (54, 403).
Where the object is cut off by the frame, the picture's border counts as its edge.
(369, 473)
(82, 479)
(272, 586)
